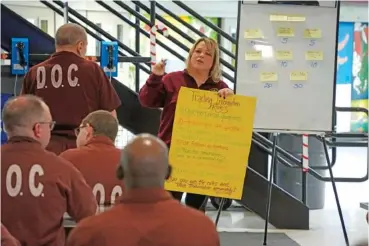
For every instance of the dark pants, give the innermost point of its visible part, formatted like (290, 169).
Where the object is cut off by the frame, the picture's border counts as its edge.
(192, 200)
(59, 144)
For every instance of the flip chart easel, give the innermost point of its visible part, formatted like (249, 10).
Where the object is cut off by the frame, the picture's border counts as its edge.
(286, 58)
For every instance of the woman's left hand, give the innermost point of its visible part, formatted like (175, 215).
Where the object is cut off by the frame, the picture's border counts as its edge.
(225, 92)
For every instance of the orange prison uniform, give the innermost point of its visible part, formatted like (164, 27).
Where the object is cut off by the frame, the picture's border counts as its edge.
(98, 161)
(37, 189)
(72, 87)
(146, 217)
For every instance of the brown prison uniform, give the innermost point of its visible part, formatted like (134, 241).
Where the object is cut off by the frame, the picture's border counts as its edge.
(146, 217)
(7, 239)
(37, 189)
(98, 161)
(72, 87)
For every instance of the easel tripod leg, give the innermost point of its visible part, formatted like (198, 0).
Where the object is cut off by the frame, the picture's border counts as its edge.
(203, 205)
(335, 192)
(270, 186)
(219, 211)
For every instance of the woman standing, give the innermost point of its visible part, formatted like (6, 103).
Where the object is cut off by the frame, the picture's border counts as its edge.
(161, 91)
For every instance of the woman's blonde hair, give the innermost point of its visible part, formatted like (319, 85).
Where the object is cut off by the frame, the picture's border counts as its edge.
(212, 45)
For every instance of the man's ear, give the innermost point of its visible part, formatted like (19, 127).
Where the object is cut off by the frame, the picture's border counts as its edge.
(169, 172)
(37, 130)
(119, 172)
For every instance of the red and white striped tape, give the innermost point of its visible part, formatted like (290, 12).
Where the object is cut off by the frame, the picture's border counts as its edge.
(305, 152)
(153, 31)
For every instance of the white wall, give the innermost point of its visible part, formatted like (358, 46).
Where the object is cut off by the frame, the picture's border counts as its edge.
(350, 10)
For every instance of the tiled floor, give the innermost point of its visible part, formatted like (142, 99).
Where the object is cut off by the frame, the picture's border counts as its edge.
(325, 227)
(325, 224)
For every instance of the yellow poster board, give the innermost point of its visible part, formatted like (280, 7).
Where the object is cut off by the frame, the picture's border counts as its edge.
(211, 143)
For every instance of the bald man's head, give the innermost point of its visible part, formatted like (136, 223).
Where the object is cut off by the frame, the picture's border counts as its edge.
(71, 37)
(144, 162)
(70, 34)
(21, 115)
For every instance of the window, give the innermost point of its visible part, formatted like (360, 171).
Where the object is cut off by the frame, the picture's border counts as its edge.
(98, 44)
(120, 32)
(44, 25)
(120, 38)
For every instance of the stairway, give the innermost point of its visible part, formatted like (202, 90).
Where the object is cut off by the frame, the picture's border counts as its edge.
(131, 114)
(286, 211)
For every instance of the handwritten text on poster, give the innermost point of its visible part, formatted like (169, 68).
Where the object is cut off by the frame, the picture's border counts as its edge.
(211, 143)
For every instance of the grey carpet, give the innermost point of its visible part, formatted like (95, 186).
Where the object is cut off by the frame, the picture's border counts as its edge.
(254, 239)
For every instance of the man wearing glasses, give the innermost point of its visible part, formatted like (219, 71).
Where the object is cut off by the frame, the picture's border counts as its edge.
(37, 187)
(96, 156)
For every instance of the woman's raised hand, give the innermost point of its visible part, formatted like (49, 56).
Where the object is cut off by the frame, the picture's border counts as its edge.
(159, 68)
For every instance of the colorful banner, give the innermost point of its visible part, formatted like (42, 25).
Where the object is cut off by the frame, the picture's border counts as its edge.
(359, 90)
(345, 52)
(211, 143)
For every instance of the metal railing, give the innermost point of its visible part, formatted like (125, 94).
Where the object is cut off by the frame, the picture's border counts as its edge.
(284, 157)
(94, 27)
(288, 160)
(153, 15)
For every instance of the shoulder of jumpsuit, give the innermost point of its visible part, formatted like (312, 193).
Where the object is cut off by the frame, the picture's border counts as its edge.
(68, 153)
(61, 162)
(82, 63)
(84, 152)
(75, 153)
(93, 223)
(33, 69)
(86, 229)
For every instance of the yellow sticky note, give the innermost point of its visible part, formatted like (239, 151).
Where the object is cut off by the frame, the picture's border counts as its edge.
(277, 17)
(268, 76)
(298, 76)
(296, 18)
(253, 55)
(313, 33)
(253, 33)
(285, 32)
(284, 55)
(289, 18)
(313, 55)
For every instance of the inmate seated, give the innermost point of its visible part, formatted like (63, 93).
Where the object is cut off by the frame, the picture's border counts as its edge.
(96, 157)
(147, 214)
(37, 187)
